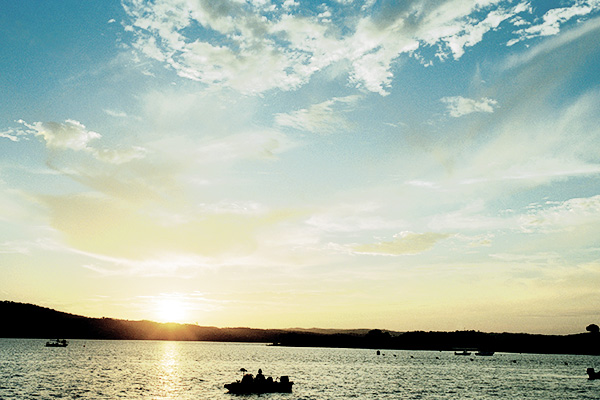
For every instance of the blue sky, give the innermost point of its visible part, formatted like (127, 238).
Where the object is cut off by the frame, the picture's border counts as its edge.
(422, 164)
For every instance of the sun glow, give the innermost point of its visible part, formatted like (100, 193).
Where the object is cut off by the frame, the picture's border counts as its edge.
(170, 310)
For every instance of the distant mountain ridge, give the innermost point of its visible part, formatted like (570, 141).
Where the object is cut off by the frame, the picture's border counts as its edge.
(333, 331)
(20, 320)
(30, 321)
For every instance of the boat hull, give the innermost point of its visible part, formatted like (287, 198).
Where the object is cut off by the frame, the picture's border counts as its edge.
(57, 343)
(593, 374)
(257, 388)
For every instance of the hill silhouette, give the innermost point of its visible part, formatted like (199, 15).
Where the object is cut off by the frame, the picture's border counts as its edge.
(20, 320)
(30, 321)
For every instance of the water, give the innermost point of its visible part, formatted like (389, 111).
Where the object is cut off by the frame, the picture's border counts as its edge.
(97, 369)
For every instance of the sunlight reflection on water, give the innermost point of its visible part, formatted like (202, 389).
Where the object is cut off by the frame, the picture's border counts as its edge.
(168, 378)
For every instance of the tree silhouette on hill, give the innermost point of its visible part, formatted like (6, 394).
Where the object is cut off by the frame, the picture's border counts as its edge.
(592, 328)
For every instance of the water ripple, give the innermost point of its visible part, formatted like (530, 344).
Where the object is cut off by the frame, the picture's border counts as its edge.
(196, 370)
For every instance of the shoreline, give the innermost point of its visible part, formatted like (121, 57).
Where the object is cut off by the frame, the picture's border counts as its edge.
(29, 321)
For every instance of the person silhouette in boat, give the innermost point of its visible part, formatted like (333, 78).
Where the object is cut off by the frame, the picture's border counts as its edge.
(247, 379)
(260, 378)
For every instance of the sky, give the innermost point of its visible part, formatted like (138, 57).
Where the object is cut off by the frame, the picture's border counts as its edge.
(402, 165)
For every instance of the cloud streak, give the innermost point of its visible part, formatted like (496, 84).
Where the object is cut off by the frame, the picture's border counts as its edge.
(562, 216)
(459, 106)
(73, 135)
(100, 225)
(12, 135)
(325, 117)
(405, 243)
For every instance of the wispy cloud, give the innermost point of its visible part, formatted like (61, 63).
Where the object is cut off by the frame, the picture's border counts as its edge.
(73, 135)
(352, 218)
(459, 106)
(552, 149)
(249, 144)
(13, 247)
(165, 266)
(114, 113)
(325, 117)
(472, 218)
(13, 135)
(403, 243)
(563, 215)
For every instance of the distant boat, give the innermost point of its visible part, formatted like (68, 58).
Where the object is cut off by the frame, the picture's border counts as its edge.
(251, 385)
(484, 353)
(593, 374)
(57, 343)
(462, 353)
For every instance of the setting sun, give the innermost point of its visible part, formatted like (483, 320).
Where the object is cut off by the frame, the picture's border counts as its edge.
(170, 310)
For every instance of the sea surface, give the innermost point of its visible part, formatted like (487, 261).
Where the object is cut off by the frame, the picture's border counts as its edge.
(99, 369)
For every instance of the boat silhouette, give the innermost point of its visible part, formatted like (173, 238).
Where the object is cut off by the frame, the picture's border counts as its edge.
(57, 343)
(259, 384)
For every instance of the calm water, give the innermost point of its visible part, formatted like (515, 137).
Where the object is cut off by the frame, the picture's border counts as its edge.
(96, 369)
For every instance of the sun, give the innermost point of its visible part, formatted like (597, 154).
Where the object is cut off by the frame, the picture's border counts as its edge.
(170, 310)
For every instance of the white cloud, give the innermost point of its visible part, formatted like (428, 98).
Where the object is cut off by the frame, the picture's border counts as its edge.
(73, 135)
(554, 19)
(319, 118)
(254, 47)
(288, 4)
(372, 71)
(244, 54)
(562, 215)
(12, 135)
(471, 34)
(459, 106)
(70, 134)
(553, 44)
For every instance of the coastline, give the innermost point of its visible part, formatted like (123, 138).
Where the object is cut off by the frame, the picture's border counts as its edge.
(34, 322)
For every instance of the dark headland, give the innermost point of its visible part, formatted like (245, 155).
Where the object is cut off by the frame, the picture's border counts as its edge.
(21, 320)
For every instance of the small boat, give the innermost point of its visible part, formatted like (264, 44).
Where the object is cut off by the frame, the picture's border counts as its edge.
(593, 374)
(462, 353)
(484, 353)
(260, 384)
(57, 343)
